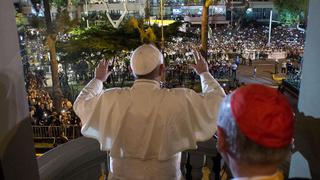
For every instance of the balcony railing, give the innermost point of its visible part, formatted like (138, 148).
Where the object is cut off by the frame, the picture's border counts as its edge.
(82, 159)
(192, 161)
(51, 132)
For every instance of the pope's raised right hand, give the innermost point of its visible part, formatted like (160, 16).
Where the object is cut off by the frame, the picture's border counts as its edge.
(102, 73)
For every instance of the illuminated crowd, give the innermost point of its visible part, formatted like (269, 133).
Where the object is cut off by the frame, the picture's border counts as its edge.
(42, 110)
(224, 41)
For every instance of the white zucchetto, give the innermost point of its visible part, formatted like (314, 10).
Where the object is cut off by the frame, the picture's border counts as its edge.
(145, 59)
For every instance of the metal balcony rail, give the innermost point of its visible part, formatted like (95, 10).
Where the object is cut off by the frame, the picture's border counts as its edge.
(52, 132)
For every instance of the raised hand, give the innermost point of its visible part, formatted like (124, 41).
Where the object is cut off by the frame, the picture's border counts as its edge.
(200, 65)
(102, 73)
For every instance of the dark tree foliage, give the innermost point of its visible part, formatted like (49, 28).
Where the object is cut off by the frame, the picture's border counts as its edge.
(292, 11)
(105, 40)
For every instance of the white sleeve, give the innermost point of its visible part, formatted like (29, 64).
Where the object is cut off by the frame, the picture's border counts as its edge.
(196, 119)
(87, 106)
(202, 112)
(209, 84)
(87, 100)
(205, 107)
(92, 106)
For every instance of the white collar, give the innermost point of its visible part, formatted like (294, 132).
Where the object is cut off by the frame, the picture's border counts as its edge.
(146, 81)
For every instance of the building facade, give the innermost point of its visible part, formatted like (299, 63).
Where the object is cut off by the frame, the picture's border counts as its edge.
(258, 10)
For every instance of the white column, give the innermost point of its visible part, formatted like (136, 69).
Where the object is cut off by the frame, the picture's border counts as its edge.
(309, 98)
(13, 105)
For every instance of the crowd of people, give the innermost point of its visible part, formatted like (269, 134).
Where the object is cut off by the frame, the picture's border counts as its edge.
(224, 41)
(255, 37)
(179, 73)
(42, 110)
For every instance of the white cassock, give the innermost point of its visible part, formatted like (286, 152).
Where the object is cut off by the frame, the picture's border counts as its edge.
(145, 127)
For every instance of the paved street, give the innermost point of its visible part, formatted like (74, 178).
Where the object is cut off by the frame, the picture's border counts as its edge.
(265, 69)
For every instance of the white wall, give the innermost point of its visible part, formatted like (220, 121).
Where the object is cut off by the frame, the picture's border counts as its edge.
(13, 104)
(309, 99)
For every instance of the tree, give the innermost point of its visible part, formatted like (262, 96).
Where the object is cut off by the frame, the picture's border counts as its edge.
(204, 27)
(60, 25)
(106, 40)
(51, 41)
(292, 11)
(240, 14)
(21, 20)
(53, 28)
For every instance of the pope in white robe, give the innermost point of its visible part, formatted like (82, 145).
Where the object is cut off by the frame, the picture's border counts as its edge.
(144, 127)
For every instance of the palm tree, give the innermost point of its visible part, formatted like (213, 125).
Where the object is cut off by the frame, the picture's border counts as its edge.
(241, 14)
(51, 41)
(62, 24)
(204, 27)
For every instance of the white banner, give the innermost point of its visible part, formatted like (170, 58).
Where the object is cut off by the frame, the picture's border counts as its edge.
(277, 55)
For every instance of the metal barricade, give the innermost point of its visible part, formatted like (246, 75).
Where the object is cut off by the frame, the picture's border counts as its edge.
(51, 132)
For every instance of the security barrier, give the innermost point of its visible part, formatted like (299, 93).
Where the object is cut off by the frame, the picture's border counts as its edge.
(51, 132)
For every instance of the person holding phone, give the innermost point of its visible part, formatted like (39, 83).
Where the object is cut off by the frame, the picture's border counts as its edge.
(144, 127)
